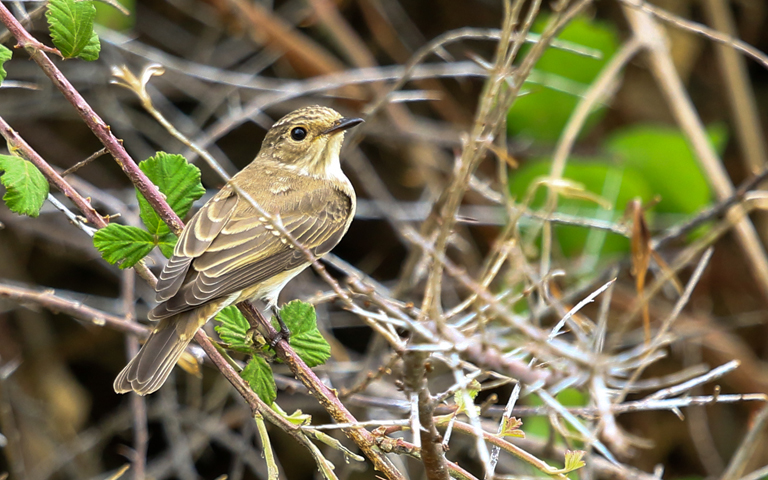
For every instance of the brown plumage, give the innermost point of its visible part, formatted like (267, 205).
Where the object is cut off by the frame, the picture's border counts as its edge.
(228, 252)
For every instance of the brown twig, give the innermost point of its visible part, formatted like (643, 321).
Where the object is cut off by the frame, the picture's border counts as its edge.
(401, 447)
(646, 29)
(327, 398)
(19, 145)
(49, 300)
(158, 203)
(102, 131)
(138, 403)
(83, 163)
(709, 214)
(694, 27)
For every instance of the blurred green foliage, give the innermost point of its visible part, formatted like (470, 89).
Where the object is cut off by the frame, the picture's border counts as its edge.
(644, 162)
(598, 176)
(109, 16)
(648, 162)
(542, 114)
(539, 426)
(665, 160)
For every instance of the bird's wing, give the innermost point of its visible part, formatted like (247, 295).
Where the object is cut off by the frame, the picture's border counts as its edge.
(201, 230)
(228, 248)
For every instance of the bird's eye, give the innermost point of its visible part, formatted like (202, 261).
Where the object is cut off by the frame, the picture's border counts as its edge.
(298, 134)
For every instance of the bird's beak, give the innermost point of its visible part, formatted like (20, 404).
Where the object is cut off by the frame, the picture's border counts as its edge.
(343, 124)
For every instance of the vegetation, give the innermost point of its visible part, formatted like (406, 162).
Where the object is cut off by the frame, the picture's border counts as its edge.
(557, 267)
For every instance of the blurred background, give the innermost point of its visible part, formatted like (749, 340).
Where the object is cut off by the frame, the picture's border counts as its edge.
(233, 67)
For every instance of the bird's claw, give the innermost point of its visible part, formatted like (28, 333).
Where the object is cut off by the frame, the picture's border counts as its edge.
(283, 334)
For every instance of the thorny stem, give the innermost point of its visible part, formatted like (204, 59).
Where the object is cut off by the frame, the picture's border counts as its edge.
(327, 398)
(158, 203)
(102, 131)
(22, 147)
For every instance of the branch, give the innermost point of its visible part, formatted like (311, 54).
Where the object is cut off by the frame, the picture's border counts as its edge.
(102, 131)
(324, 395)
(49, 300)
(328, 399)
(646, 29)
(19, 145)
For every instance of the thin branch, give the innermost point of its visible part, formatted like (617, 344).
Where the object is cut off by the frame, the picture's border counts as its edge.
(49, 300)
(83, 163)
(654, 40)
(19, 145)
(138, 403)
(747, 448)
(102, 131)
(690, 26)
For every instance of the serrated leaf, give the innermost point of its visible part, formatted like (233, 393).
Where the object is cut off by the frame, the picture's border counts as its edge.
(259, 376)
(306, 339)
(233, 326)
(178, 180)
(573, 460)
(92, 49)
(299, 317)
(71, 25)
(26, 188)
(311, 347)
(167, 243)
(123, 244)
(234, 330)
(5, 55)
(472, 389)
(511, 428)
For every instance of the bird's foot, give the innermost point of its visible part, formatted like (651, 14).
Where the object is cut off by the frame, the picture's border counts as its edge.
(283, 334)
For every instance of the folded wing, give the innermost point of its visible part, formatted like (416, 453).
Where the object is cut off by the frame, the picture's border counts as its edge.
(227, 246)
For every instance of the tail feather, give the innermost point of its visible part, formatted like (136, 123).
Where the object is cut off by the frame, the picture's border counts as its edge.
(150, 368)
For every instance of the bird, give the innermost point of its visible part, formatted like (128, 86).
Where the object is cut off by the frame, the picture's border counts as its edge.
(229, 252)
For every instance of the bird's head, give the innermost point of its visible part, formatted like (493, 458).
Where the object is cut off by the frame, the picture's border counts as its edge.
(308, 139)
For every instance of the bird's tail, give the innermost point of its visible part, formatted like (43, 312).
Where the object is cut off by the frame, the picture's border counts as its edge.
(151, 366)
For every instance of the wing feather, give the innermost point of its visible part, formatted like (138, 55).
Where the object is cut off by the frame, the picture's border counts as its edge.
(227, 247)
(201, 230)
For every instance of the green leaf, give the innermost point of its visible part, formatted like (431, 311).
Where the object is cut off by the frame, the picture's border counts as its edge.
(116, 15)
(306, 339)
(616, 184)
(178, 180)
(297, 417)
(235, 331)
(663, 156)
(167, 243)
(472, 389)
(5, 55)
(123, 244)
(573, 460)
(233, 327)
(26, 187)
(92, 49)
(543, 113)
(259, 376)
(571, 397)
(71, 25)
